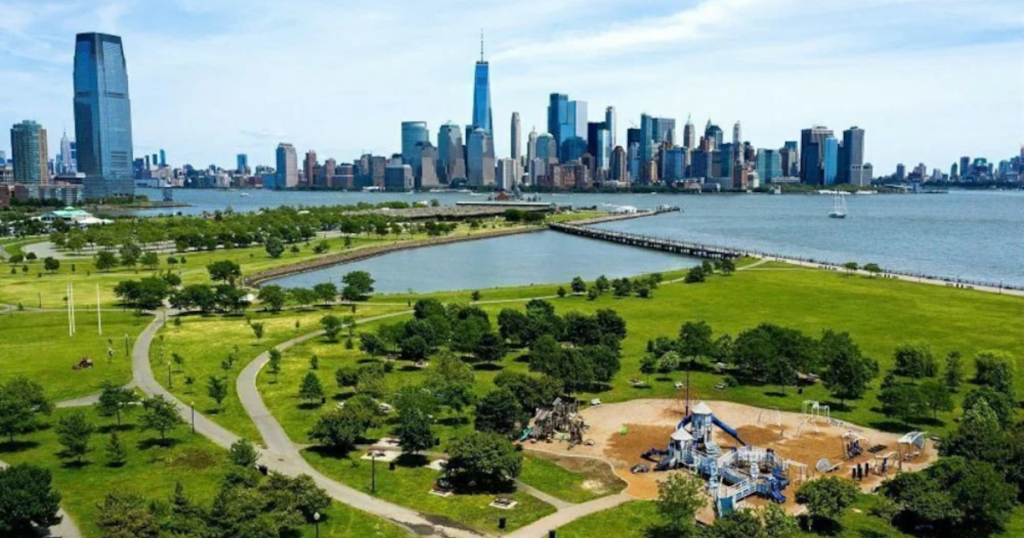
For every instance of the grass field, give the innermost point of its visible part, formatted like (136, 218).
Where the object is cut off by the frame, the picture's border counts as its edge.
(627, 520)
(410, 484)
(206, 342)
(37, 345)
(589, 480)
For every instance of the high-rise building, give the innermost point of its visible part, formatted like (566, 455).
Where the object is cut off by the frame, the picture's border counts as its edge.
(618, 170)
(830, 160)
(507, 172)
(103, 118)
(287, 167)
(531, 145)
(242, 163)
(426, 173)
(413, 132)
(592, 129)
(790, 157)
(901, 172)
(30, 153)
(163, 158)
(674, 164)
(547, 148)
(713, 133)
(603, 157)
(451, 160)
(516, 151)
(558, 115)
(398, 176)
(67, 162)
(309, 168)
(689, 135)
(737, 134)
(482, 93)
(812, 154)
(574, 131)
(481, 158)
(965, 168)
(851, 157)
(769, 165)
(611, 123)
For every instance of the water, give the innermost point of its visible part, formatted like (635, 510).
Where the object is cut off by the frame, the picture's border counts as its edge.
(536, 258)
(973, 235)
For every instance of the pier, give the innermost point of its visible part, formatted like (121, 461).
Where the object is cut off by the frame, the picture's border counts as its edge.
(684, 248)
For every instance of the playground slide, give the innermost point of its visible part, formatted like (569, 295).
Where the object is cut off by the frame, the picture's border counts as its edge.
(664, 465)
(526, 434)
(777, 496)
(726, 428)
(686, 420)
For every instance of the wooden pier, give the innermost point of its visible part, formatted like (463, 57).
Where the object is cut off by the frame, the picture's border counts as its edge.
(683, 248)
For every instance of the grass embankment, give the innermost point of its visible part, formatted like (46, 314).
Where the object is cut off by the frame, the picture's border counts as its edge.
(574, 480)
(205, 343)
(410, 484)
(37, 345)
(153, 471)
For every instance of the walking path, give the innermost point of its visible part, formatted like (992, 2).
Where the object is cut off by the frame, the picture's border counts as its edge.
(65, 529)
(562, 517)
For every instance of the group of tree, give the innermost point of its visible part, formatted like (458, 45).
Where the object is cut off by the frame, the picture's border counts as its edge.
(519, 215)
(459, 328)
(642, 286)
(27, 500)
(22, 406)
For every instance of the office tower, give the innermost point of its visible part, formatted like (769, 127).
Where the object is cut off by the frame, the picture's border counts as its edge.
(713, 134)
(506, 177)
(145, 163)
(242, 163)
(287, 166)
(30, 153)
(572, 149)
(901, 172)
(163, 158)
(309, 168)
(413, 132)
(330, 169)
(575, 130)
(633, 156)
(592, 129)
(482, 93)
(154, 161)
(610, 123)
(653, 133)
(726, 161)
(789, 155)
(689, 135)
(398, 176)
(830, 160)
(547, 148)
(450, 158)
(812, 154)
(603, 156)
(769, 165)
(851, 157)
(954, 172)
(426, 172)
(674, 164)
(67, 165)
(618, 170)
(517, 149)
(558, 114)
(632, 136)
(737, 134)
(103, 119)
(531, 145)
(481, 158)
(965, 168)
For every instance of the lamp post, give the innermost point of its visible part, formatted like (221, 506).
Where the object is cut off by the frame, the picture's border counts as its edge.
(127, 353)
(193, 418)
(373, 472)
(316, 521)
(170, 382)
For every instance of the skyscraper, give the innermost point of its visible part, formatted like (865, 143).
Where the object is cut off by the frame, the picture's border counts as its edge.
(451, 160)
(163, 158)
(516, 151)
(531, 145)
(558, 113)
(603, 156)
(769, 165)
(481, 158)
(617, 170)
(812, 154)
(610, 123)
(851, 157)
(426, 173)
(689, 135)
(482, 93)
(67, 163)
(413, 132)
(287, 166)
(30, 153)
(242, 161)
(737, 134)
(714, 133)
(309, 168)
(830, 160)
(103, 118)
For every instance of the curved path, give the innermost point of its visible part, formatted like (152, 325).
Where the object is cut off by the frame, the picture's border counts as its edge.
(65, 529)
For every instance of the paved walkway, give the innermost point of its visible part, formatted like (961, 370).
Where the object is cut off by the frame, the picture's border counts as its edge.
(540, 528)
(65, 529)
(559, 504)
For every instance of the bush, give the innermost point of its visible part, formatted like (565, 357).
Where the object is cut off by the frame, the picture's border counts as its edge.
(483, 462)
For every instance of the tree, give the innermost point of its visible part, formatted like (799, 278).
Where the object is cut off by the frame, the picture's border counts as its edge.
(602, 284)
(178, 360)
(475, 296)
(273, 297)
(243, 454)
(20, 401)
(311, 389)
(954, 374)
(592, 294)
(370, 380)
(826, 498)
(648, 365)
(483, 462)
(621, 287)
(414, 348)
(728, 266)
(451, 380)
(679, 498)
(302, 296)
(325, 292)
(257, 330)
(332, 327)
(114, 400)
(346, 376)
(561, 292)
(127, 515)
(358, 286)
(851, 267)
(513, 326)
(489, 348)
(777, 523)
(742, 523)
(847, 372)
(28, 500)
(73, 433)
(414, 431)
(995, 369)
(274, 247)
(915, 360)
(695, 275)
(905, 402)
(426, 308)
(274, 362)
(872, 268)
(160, 415)
(338, 429)
(578, 285)
(217, 388)
(499, 412)
(117, 454)
(979, 436)
(532, 392)
(51, 264)
(1001, 404)
(772, 354)
(224, 271)
(150, 260)
(105, 261)
(937, 396)
(694, 341)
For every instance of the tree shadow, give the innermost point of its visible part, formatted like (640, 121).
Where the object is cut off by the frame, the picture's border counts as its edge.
(775, 394)
(488, 367)
(599, 388)
(645, 386)
(455, 421)
(12, 447)
(524, 358)
(890, 426)
(329, 452)
(74, 464)
(109, 428)
(409, 368)
(411, 461)
(156, 442)
(309, 406)
(821, 526)
(342, 396)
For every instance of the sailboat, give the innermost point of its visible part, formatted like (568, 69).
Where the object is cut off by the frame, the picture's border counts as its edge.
(838, 206)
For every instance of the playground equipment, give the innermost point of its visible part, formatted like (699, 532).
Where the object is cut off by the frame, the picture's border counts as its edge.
(881, 467)
(733, 474)
(910, 446)
(852, 444)
(560, 419)
(771, 416)
(813, 413)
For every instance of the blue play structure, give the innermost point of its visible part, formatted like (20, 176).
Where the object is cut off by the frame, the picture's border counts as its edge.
(733, 474)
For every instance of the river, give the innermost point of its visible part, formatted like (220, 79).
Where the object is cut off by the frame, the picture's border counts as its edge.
(972, 235)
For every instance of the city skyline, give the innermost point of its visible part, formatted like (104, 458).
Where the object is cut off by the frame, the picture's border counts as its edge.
(204, 125)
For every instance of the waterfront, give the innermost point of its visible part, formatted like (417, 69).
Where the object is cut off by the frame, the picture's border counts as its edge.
(973, 235)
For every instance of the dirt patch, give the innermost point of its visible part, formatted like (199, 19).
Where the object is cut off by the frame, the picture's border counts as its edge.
(598, 474)
(191, 458)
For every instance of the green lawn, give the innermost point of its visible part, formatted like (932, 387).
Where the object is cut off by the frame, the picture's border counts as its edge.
(206, 342)
(627, 520)
(37, 345)
(409, 485)
(589, 479)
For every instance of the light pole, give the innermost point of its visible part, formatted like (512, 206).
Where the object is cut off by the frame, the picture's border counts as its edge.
(373, 472)
(316, 521)
(193, 418)
(126, 352)
(170, 382)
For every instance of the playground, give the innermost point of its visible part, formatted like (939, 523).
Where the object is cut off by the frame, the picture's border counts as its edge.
(774, 451)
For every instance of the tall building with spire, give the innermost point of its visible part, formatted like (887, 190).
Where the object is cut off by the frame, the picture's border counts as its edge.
(482, 93)
(689, 135)
(67, 164)
(103, 116)
(737, 134)
(516, 151)
(610, 122)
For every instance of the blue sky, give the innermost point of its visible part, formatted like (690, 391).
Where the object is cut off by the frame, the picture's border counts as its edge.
(929, 80)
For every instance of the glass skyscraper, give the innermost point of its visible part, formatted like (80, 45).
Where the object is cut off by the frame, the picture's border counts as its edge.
(482, 93)
(413, 132)
(29, 151)
(103, 116)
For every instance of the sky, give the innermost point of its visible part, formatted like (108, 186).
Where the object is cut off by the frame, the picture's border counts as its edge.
(929, 80)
